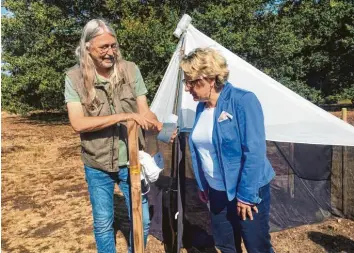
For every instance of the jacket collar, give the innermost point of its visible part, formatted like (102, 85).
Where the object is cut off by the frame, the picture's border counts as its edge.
(225, 92)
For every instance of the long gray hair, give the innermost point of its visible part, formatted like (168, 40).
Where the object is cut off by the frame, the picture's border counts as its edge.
(92, 29)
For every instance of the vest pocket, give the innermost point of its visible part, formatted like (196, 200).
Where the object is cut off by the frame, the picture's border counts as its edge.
(127, 99)
(95, 110)
(126, 92)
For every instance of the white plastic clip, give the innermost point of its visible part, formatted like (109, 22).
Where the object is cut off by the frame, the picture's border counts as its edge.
(182, 25)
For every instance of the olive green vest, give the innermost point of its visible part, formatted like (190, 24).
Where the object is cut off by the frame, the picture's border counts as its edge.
(99, 149)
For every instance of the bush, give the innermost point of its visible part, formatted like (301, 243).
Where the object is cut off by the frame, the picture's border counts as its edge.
(348, 93)
(332, 99)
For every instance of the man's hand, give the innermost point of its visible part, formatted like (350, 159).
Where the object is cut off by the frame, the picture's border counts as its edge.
(143, 109)
(244, 210)
(158, 125)
(140, 120)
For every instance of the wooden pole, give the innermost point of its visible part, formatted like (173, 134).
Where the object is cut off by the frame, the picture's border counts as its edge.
(344, 169)
(345, 114)
(135, 188)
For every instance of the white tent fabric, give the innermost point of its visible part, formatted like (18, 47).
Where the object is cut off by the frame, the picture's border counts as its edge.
(164, 100)
(288, 116)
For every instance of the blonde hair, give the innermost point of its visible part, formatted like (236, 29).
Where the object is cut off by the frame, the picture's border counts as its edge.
(207, 63)
(92, 29)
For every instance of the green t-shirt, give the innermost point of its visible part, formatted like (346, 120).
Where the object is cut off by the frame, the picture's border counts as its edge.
(140, 89)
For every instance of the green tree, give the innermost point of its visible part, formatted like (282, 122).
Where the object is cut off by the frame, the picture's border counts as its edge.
(40, 37)
(310, 42)
(306, 45)
(37, 45)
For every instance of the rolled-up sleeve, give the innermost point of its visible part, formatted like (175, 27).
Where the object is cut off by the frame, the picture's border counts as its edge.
(69, 93)
(140, 87)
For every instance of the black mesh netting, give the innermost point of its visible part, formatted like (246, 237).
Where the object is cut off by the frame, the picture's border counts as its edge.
(305, 190)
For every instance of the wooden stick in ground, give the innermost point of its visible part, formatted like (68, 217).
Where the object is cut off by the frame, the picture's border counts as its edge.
(135, 184)
(345, 170)
(345, 114)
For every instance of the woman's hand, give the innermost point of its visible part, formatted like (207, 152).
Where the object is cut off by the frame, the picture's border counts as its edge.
(203, 196)
(173, 136)
(159, 127)
(244, 210)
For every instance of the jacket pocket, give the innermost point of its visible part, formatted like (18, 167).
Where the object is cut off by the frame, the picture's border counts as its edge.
(227, 130)
(230, 141)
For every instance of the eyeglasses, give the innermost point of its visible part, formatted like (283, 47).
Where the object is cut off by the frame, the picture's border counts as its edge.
(105, 48)
(191, 83)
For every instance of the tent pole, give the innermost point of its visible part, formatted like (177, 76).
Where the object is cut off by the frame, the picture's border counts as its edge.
(174, 174)
(179, 80)
(291, 178)
(344, 170)
(179, 155)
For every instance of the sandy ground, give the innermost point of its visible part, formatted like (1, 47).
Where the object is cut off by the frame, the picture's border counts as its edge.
(45, 205)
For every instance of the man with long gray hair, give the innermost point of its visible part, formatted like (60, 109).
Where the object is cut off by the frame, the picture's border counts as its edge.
(102, 93)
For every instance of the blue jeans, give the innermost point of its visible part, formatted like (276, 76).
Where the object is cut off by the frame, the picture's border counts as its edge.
(228, 228)
(101, 190)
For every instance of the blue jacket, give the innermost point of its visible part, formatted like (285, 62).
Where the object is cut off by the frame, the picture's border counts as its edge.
(240, 145)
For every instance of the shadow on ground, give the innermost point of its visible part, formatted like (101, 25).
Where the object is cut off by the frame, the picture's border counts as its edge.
(332, 244)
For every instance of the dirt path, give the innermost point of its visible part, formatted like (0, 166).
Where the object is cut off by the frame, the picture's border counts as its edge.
(45, 204)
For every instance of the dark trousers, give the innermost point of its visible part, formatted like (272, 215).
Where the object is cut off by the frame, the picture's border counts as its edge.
(228, 228)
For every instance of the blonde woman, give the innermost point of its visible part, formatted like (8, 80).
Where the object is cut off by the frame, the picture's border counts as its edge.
(228, 150)
(102, 92)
